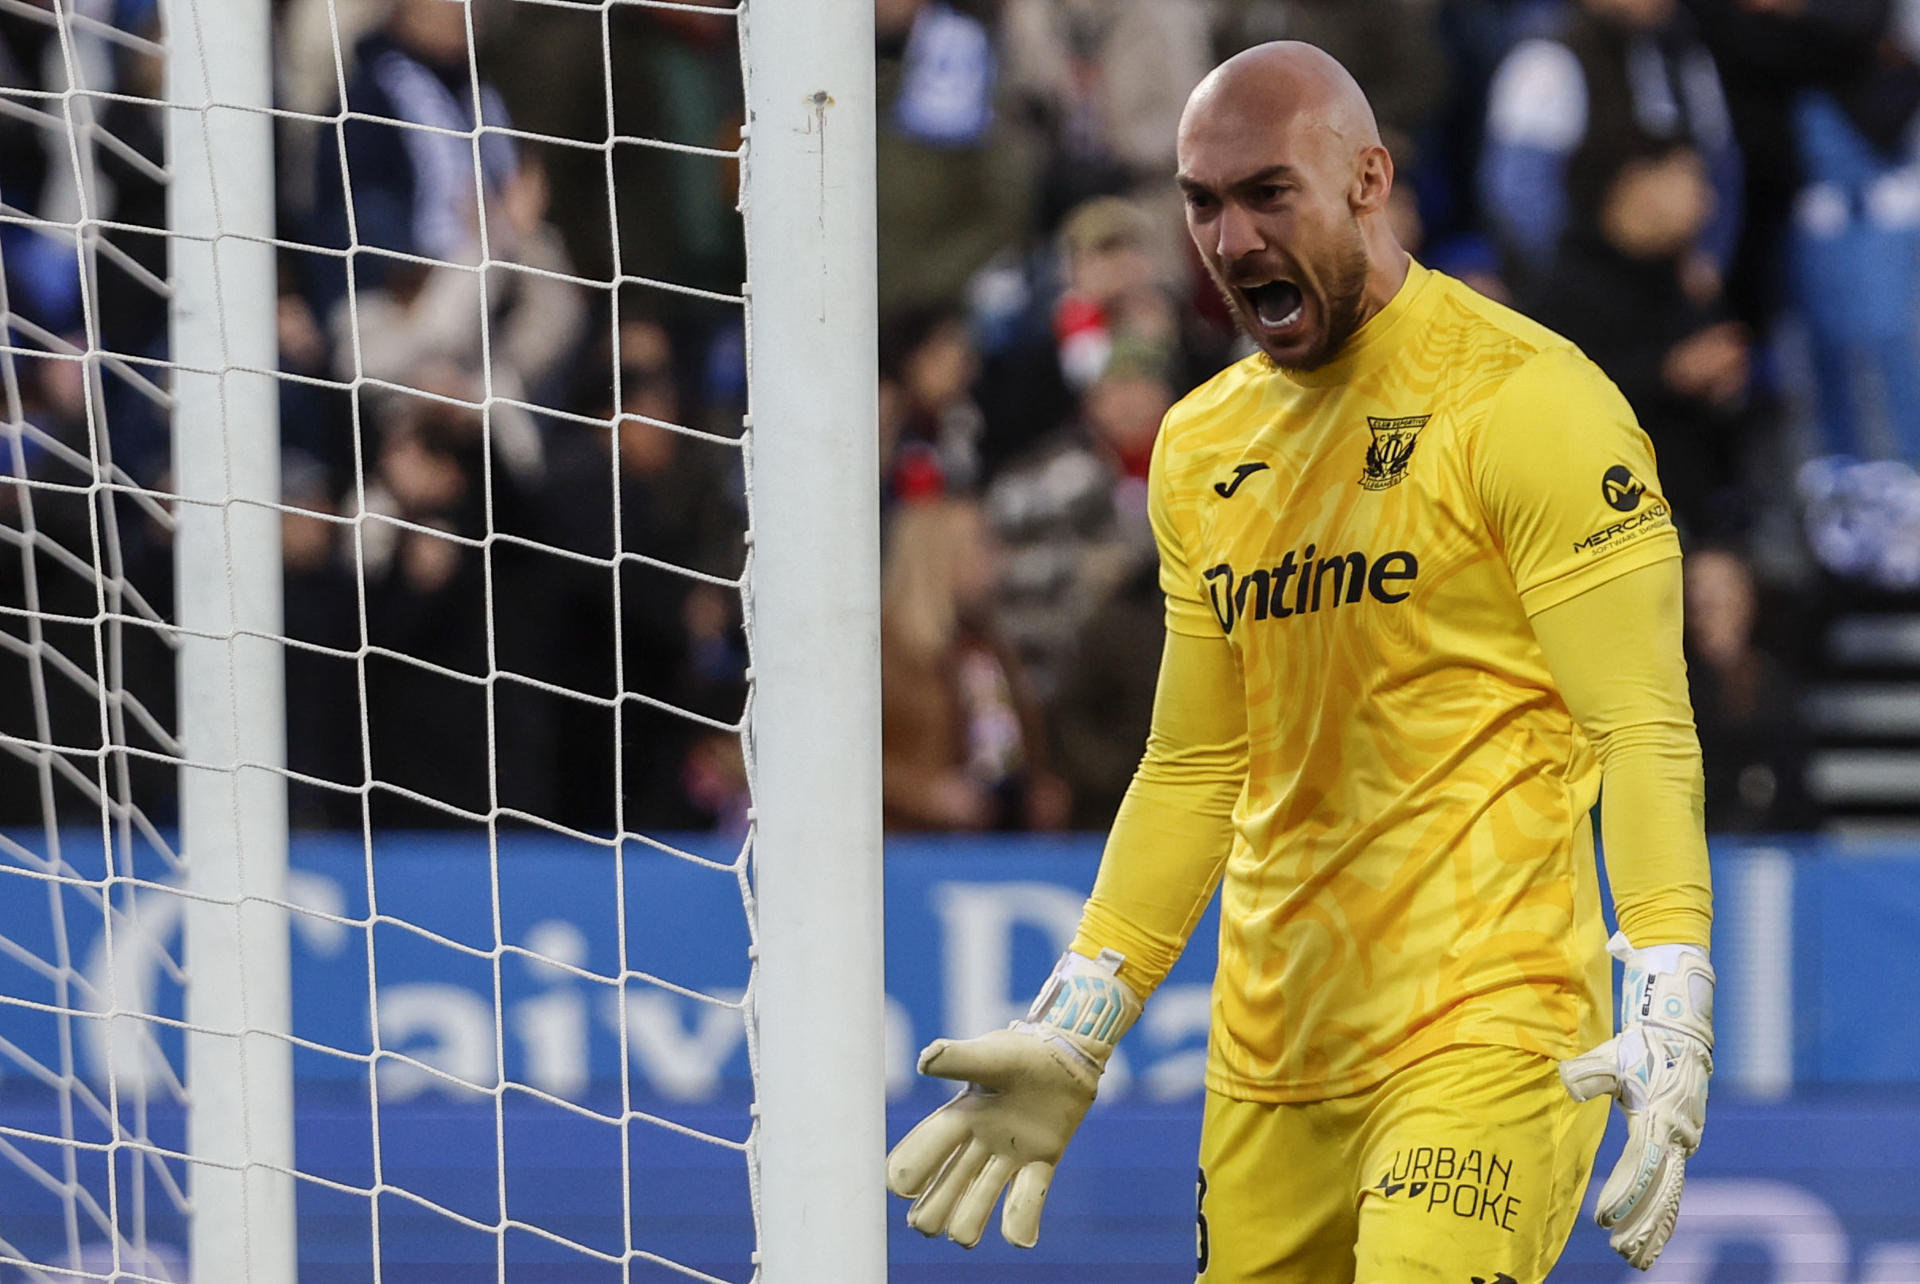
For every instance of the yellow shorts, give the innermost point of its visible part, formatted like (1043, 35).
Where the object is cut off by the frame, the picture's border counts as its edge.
(1467, 1167)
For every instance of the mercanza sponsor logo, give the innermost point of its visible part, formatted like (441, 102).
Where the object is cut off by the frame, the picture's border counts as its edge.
(1303, 583)
(1621, 489)
(1626, 528)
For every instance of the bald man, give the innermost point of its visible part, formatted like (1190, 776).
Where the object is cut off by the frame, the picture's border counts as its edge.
(1423, 603)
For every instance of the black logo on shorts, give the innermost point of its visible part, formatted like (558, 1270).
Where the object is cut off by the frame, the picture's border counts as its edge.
(1241, 472)
(1390, 450)
(1471, 1184)
(1621, 489)
(1498, 1277)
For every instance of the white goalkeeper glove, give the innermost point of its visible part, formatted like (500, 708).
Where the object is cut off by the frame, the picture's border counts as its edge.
(1657, 1069)
(1028, 1086)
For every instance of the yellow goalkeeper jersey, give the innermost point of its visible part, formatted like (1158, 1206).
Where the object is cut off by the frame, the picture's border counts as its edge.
(1412, 863)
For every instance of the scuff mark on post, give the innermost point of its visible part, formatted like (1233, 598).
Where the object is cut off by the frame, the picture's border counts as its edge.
(820, 100)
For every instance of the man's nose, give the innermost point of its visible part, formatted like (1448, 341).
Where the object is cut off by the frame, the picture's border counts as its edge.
(1237, 235)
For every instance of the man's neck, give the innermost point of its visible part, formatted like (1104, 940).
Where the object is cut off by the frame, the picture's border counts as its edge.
(1384, 278)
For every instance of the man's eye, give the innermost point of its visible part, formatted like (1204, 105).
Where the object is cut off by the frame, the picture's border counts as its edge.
(1268, 193)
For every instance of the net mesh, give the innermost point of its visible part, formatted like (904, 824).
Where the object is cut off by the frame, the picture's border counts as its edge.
(515, 542)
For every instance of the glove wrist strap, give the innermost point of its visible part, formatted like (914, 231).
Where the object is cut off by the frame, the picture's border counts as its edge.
(1670, 986)
(1085, 997)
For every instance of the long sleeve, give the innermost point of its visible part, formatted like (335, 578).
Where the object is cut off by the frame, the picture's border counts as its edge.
(1568, 482)
(1615, 654)
(1174, 829)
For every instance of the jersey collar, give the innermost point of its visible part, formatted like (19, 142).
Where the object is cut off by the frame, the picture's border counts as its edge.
(1375, 341)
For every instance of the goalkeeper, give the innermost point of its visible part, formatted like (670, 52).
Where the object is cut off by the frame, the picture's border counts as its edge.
(1423, 603)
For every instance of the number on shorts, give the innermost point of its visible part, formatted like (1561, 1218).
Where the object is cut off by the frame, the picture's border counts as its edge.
(1200, 1224)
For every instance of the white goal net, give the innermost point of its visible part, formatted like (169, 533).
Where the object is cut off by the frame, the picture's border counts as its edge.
(438, 701)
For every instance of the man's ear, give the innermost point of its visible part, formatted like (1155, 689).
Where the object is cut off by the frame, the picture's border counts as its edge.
(1372, 180)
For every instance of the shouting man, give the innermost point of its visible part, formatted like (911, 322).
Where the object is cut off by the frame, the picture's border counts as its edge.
(1423, 604)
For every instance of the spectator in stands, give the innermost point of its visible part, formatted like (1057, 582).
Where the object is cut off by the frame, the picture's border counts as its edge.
(497, 341)
(1753, 735)
(487, 324)
(42, 175)
(677, 80)
(426, 602)
(1856, 251)
(679, 640)
(1628, 285)
(1615, 79)
(409, 167)
(503, 338)
(951, 191)
(1072, 514)
(448, 617)
(1113, 288)
(1098, 86)
(1104, 284)
(314, 48)
(962, 742)
(927, 413)
(53, 531)
(1768, 52)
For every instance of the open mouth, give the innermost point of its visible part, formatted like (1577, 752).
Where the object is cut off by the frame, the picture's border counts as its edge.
(1277, 304)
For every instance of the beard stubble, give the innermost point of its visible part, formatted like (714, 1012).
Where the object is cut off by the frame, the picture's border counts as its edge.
(1345, 268)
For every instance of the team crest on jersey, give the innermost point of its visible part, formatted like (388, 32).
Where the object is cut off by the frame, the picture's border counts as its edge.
(1391, 449)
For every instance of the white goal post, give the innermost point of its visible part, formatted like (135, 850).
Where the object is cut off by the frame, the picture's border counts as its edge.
(813, 459)
(175, 1114)
(231, 677)
(815, 467)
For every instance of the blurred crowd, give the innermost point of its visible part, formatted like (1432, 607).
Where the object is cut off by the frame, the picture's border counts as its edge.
(526, 371)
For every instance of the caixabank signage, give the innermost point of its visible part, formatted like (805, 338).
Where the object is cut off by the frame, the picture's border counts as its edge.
(611, 995)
